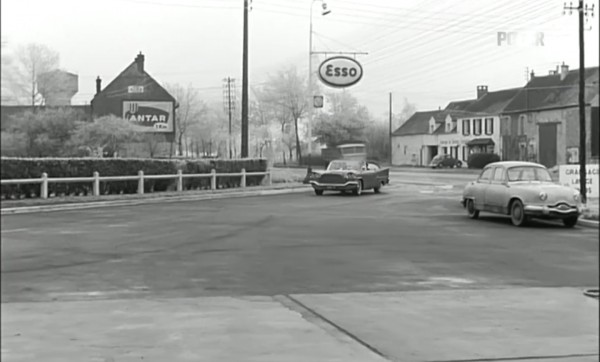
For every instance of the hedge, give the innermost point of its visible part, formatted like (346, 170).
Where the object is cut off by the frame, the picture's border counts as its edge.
(24, 168)
(480, 160)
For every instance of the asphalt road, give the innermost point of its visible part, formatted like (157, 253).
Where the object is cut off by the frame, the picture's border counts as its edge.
(409, 237)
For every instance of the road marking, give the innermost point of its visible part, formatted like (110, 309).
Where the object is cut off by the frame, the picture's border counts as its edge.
(13, 231)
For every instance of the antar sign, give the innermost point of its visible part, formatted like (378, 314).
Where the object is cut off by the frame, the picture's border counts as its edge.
(340, 72)
(153, 116)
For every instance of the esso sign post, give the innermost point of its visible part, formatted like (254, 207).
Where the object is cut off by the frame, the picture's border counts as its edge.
(340, 72)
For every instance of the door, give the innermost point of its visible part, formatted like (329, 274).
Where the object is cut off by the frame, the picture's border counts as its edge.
(496, 194)
(547, 140)
(480, 188)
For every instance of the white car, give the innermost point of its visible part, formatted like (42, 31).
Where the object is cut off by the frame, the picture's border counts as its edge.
(522, 190)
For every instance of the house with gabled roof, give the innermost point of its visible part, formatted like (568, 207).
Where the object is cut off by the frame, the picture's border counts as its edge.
(541, 123)
(139, 99)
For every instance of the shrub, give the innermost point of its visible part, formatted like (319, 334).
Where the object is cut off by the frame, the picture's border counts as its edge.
(480, 160)
(26, 168)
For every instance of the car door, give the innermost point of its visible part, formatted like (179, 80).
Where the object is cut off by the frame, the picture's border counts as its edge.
(480, 188)
(497, 191)
(369, 176)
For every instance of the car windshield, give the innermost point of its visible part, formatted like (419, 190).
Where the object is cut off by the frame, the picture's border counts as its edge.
(344, 166)
(527, 173)
(437, 158)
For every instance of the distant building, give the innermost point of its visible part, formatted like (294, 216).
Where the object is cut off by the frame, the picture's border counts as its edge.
(58, 87)
(136, 97)
(541, 123)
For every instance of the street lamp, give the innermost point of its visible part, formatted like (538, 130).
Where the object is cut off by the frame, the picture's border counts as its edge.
(324, 12)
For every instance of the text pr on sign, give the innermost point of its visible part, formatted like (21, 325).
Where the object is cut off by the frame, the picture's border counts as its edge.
(340, 72)
(569, 176)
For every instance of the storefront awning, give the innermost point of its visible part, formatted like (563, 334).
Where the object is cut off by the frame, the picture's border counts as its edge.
(481, 142)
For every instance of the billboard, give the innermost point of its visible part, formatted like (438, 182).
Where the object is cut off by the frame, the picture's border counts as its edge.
(569, 176)
(152, 116)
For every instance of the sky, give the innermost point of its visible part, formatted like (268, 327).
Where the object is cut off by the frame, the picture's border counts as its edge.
(426, 52)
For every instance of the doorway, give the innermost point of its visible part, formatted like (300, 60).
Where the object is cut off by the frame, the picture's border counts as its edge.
(547, 144)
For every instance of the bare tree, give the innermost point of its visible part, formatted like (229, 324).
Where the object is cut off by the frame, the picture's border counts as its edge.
(189, 112)
(28, 63)
(106, 136)
(287, 90)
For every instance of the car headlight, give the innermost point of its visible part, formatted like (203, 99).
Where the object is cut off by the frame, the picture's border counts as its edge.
(350, 176)
(543, 196)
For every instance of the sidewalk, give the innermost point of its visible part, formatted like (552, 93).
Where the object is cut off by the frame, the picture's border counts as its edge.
(507, 324)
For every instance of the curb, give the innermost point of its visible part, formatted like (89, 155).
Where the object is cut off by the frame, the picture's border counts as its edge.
(152, 200)
(588, 223)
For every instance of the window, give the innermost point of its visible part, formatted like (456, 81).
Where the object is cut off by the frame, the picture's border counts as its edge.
(489, 126)
(466, 124)
(477, 126)
(498, 175)
(486, 175)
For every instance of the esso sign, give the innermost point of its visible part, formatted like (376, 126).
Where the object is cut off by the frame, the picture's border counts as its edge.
(340, 72)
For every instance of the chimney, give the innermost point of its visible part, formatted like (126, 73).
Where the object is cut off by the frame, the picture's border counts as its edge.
(564, 70)
(532, 75)
(98, 85)
(481, 90)
(140, 62)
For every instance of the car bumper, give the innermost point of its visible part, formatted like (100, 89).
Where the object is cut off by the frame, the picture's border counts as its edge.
(349, 185)
(552, 212)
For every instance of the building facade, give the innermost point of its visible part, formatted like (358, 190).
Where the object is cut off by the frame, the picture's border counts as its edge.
(541, 124)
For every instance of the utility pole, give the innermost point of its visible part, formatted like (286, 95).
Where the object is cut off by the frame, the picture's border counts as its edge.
(245, 84)
(229, 106)
(391, 149)
(582, 149)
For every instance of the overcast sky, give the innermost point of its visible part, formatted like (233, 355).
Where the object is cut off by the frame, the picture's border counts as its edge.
(430, 52)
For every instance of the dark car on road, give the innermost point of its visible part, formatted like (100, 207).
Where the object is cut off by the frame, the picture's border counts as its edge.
(349, 175)
(441, 161)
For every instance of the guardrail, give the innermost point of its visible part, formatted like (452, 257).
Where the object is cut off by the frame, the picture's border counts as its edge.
(96, 179)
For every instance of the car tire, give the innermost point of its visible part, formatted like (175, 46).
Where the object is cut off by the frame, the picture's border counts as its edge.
(358, 190)
(459, 164)
(471, 210)
(517, 214)
(570, 221)
(378, 188)
(318, 192)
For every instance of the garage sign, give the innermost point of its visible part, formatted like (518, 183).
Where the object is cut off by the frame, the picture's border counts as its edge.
(340, 72)
(569, 176)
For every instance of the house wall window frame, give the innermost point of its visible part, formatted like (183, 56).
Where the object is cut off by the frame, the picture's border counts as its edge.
(466, 127)
(489, 126)
(477, 126)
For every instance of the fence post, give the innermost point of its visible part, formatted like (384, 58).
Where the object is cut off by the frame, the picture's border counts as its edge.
(269, 181)
(141, 183)
(243, 182)
(213, 179)
(179, 180)
(96, 187)
(44, 187)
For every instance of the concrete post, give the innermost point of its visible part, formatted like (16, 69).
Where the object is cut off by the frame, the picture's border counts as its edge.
(141, 183)
(96, 187)
(44, 187)
(179, 180)
(269, 180)
(243, 182)
(213, 179)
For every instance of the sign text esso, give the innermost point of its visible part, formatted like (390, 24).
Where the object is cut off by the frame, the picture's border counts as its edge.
(340, 72)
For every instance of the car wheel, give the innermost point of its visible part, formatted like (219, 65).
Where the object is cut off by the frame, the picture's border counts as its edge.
(319, 192)
(570, 221)
(459, 164)
(471, 210)
(517, 214)
(358, 190)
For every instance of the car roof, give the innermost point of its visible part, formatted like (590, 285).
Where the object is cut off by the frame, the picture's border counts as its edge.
(507, 164)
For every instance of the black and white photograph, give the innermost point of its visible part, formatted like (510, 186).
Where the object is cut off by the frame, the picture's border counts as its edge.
(299, 180)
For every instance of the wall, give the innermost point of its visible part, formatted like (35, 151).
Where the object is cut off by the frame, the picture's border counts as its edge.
(411, 150)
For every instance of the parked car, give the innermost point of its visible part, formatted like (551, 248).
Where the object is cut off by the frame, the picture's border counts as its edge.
(522, 190)
(349, 175)
(441, 161)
